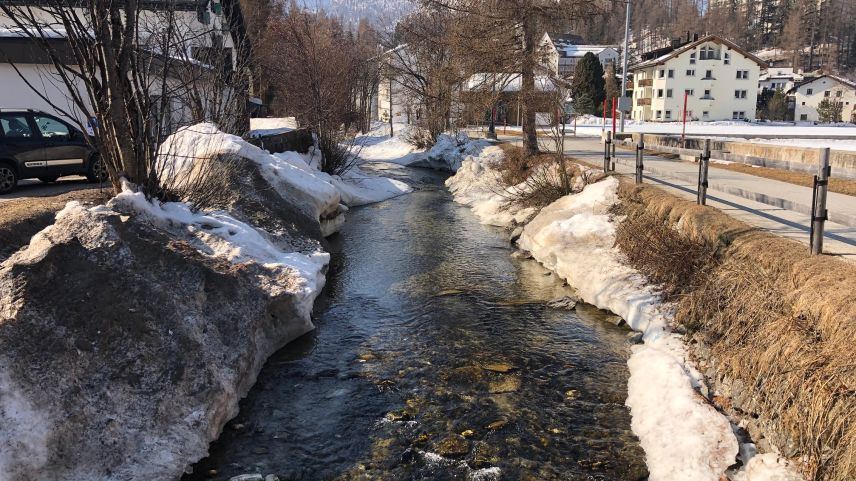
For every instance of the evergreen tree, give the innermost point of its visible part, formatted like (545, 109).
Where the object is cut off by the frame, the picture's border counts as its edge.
(777, 106)
(588, 84)
(829, 111)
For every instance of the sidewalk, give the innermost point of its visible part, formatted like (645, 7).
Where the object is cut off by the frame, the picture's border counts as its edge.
(776, 206)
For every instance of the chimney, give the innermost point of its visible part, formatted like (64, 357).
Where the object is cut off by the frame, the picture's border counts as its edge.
(695, 37)
(676, 42)
(688, 36)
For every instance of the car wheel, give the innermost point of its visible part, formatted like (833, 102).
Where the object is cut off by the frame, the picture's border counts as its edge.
(48, 180)
(8, 179)
(97, 170)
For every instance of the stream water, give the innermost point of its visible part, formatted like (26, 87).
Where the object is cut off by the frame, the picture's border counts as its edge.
(435, 357)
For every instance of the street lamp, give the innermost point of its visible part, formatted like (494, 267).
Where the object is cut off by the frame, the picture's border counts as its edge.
(624, 54)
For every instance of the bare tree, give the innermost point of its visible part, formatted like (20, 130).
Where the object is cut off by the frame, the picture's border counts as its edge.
(497, 31)
(133, 73)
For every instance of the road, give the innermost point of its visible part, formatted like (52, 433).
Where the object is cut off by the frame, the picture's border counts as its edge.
(775, 206)
(36, 188)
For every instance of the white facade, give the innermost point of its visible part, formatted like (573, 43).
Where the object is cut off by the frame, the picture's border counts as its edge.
(779, 78)
(719, 78)
(808, 96)
(404, 107)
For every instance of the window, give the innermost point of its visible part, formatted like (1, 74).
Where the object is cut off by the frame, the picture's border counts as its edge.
(727, 59)
(739, 94)
(692, 58)
(803, 103)
(659, 93)
(50, 127)
(738, 115)
(689, 92)
(662, 73)
(690, 73)
(705, 114)
(826, 94)
(658, 114)
(668, 93)
(16, 126)
(838, 94)
(744, 74)
(668, 115)
(671, 73)
(707, 95)
(803, 116)
(708, 75)
(809, 91)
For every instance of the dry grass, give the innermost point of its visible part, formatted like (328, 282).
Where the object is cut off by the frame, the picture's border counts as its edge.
(781, 322)
(842, 186)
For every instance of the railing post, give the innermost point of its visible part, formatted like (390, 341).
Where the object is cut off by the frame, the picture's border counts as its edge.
(819, 214)
(606, 147)
(612, 157)
(640, 148)
(703, 163)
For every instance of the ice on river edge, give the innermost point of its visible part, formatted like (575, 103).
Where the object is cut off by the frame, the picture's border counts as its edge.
(684, 437)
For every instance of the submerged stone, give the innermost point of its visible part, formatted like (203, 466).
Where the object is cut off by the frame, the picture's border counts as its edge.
(505, 385)
(454, 445)
(501, 367)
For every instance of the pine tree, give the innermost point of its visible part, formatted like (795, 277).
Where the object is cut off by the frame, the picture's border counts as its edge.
(829, 111)
(777, 106)
(588, 84)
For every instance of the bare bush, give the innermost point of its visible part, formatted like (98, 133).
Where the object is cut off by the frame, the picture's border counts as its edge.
(419, 137)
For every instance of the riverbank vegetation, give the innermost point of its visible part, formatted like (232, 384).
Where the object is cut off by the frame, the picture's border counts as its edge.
(779, 323)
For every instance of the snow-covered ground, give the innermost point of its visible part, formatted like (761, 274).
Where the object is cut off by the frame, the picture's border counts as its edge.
(684, 437)
(801, 134)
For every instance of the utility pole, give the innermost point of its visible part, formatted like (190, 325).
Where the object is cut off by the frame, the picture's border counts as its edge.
(624, 54)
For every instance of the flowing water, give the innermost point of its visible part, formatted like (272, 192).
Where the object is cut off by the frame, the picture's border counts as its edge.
(436, 358)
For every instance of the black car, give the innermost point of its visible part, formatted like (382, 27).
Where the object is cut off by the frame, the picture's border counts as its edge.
(36, 145)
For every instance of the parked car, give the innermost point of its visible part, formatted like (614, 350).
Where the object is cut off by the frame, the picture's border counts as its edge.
(36, 145)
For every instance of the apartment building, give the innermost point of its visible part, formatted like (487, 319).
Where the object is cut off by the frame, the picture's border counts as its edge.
(719, 79)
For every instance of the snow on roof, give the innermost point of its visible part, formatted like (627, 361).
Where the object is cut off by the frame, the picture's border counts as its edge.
(841, 80)
(786, 73)
(573, 51)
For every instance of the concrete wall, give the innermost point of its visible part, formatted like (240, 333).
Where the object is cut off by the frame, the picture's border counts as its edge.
(800, 159)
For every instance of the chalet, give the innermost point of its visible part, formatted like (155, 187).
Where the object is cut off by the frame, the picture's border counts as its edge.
(779, 78)
(809, 94)
(719, 78)
(563, 52)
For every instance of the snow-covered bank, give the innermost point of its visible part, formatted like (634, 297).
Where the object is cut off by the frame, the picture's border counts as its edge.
(447, 154)
(684, 437)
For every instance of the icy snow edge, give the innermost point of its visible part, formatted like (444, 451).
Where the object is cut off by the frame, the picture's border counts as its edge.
(684, 438)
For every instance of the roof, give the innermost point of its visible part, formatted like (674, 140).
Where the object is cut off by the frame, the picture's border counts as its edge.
(574, 51)
(847, 82)
(670, 53)
(507, 82)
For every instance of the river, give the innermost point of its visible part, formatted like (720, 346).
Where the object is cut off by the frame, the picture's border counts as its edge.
(436, 358)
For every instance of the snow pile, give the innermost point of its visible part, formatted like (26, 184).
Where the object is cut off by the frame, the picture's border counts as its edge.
(261, 127)
(218, 234)
(684, 437)
(447, 154)
(295, 176)
(476, 185)
(25, 439)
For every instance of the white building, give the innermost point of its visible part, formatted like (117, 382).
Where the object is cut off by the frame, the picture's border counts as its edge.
(809, 94)
(779, 78)
(204, 43)
(563, 52)
(719, 78)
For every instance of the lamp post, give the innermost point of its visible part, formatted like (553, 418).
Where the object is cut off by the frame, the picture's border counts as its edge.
(624, 54)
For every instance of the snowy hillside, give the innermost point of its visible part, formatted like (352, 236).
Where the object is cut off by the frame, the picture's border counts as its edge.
(380, 12)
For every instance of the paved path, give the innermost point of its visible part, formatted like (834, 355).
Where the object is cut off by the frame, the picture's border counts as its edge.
(779, 207)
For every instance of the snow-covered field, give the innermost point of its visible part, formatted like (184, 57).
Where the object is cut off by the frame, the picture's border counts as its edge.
(684, 437)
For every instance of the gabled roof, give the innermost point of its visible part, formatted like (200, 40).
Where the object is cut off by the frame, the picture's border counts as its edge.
(672, 53)
(847, 82)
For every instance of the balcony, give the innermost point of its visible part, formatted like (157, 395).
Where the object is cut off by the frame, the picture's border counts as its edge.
(648, 82)
(643, 101)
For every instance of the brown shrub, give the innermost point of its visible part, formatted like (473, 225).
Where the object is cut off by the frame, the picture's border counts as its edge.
(537, 180)
(780, 321)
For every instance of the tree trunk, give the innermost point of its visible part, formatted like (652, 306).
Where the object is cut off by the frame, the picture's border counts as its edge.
(527, 86)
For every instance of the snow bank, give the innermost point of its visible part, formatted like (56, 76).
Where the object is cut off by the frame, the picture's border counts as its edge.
(293, 175)
(218, 234)
(684, 437)
(448, 153)
(475, 185)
